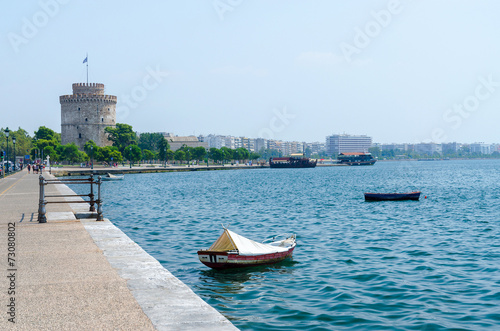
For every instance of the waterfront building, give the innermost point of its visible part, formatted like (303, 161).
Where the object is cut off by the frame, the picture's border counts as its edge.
(177, 142)
(344, 143)
(260, 144)
(480, 148)
(86, 113)
(450, 148)
(428, 148)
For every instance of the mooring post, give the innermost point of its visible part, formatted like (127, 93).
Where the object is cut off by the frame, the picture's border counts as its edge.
(42, 218)
(99, 200)
(91, 195)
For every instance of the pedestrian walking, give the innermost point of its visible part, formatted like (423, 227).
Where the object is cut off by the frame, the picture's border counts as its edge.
(29, 168)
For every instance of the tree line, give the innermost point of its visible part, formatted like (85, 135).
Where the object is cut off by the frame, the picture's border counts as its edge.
(126, 146)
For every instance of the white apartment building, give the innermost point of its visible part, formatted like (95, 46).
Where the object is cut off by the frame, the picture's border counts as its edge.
(344, 143)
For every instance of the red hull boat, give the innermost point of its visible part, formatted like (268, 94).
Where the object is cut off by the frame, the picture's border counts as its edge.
(234, 251)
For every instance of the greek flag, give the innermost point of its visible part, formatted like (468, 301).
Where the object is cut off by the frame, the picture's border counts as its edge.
(85, 60)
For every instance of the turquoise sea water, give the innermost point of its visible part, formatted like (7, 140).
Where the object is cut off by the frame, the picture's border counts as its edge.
(427, 265)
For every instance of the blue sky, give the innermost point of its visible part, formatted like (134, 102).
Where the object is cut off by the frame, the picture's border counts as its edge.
(399, 71)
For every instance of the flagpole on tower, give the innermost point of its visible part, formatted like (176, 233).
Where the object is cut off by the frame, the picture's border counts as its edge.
(87, 58)
(87, 61)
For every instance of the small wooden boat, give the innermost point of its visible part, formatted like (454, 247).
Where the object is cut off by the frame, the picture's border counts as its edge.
(392, 196)
(109, 176)
(234, 251)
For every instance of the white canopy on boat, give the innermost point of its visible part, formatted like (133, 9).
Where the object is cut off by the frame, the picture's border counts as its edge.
(233, 241)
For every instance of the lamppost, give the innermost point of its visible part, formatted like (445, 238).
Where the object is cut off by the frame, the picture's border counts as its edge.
(14, 142)
(130, 156)
(91, 156)
(165, 150)
(7, 135)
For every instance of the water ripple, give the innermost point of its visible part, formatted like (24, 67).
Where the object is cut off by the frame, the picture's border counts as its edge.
(426, 265)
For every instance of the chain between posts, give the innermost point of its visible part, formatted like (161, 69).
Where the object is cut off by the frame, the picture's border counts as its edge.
(42, 202)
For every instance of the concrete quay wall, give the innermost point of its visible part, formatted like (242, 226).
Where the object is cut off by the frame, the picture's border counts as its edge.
(167, 302)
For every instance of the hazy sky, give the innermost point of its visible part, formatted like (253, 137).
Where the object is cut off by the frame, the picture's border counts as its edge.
(399, 71)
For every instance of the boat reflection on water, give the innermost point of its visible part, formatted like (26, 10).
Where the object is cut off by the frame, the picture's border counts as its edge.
(219, 283)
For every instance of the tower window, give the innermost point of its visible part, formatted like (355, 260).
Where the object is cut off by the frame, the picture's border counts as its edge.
(108, 109)
(79, 135)
(78, 108)
(85, 120)
(102, 119)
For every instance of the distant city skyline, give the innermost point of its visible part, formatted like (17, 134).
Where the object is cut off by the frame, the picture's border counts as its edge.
(397, 71)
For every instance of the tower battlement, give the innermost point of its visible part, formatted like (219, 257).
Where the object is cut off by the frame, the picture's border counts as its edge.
(88, 88)
(87, 97)
(86, 113)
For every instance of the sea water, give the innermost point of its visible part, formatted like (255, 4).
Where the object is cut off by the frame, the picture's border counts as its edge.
(432, 264)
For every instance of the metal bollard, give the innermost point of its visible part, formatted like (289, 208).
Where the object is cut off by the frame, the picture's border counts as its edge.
(99, 200)
(42, 218)
(91, 195)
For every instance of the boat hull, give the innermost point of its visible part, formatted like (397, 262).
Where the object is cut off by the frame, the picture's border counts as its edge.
(228, 260)
(291, 165)
(359, 163)
(392, 196)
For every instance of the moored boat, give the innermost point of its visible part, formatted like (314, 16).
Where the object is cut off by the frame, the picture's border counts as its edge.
(232, 250)
(392, 196)
(109, 176)
(294, 161)
(356, 159)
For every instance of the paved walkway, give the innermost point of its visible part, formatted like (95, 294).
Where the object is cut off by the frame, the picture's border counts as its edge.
(68, 274)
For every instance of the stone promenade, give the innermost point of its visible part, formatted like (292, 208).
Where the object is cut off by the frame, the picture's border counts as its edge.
(70, 274)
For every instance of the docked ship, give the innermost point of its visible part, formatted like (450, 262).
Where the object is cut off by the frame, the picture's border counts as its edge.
(356, 159)
(294, 161)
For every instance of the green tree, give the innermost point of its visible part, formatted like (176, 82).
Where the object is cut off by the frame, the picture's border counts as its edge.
(169, 155)
(51, 151)
(132, 153)
(188, 151)
(199, 153)
(147, 155)
(23, 142)
(227, 154)
(162, 148)
(44, 133)
(151, 141)
(121, 136)
(93, 151)
(71, 153)
(180, 155)
(110, 154)
(254, 156)
(241, 154)
(216, 154)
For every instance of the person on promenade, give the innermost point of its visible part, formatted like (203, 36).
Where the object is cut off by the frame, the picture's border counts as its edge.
(35, 168)
(29, 168)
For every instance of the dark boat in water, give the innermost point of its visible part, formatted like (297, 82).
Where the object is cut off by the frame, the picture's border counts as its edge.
(392, 196)
(294, 161)
(356, 159)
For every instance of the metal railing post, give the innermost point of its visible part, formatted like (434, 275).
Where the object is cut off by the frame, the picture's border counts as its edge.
(42, 217)
(99, 200)
(91, 195)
